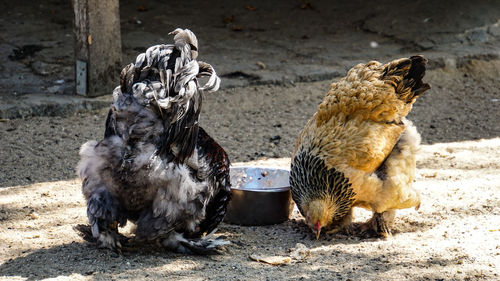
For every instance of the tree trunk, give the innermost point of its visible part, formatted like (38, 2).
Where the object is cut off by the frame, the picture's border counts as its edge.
(98, 48)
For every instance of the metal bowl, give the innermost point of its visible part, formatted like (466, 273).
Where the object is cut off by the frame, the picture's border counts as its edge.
(260, 196)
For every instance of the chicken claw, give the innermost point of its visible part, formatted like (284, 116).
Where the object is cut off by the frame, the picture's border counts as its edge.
(198, 246)
(378, 226)
(109, 239)
(206, 246)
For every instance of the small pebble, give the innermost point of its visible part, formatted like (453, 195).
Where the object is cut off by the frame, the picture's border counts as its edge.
(34, 216)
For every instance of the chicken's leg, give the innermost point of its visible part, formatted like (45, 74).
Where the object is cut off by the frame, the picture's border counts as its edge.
(344, 226)
(397, 173)
(378, 226)
(199, 246)
(103, 215)
(150, 227)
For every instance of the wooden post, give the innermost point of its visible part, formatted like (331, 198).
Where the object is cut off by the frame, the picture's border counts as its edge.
(98, 48)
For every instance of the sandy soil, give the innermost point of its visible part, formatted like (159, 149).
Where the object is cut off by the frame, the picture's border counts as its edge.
(455, 235)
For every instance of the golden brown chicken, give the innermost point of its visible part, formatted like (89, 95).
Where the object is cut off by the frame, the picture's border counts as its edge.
(358, 149)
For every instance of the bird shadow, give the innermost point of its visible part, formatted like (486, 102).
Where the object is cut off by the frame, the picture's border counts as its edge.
(86, 259)
(355, 236)
(75, 257)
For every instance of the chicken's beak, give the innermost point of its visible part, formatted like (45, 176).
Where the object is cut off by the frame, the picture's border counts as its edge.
(318, 230)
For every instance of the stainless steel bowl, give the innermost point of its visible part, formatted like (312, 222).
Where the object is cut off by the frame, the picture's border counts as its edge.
(260, 196)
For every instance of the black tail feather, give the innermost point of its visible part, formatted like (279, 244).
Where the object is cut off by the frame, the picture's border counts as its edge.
(415, 75)
(406, 76)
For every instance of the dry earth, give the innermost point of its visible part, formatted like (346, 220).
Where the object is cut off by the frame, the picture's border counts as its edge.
(455, 235)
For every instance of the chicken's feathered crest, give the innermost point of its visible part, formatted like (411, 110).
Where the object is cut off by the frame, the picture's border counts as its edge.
(165, 78)
(312, 180)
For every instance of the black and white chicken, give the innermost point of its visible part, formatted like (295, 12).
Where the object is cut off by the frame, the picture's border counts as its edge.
(156, 166)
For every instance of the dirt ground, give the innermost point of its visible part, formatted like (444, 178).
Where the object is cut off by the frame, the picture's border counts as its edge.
(455, 235)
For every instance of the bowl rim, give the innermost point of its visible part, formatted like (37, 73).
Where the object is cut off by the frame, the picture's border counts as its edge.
(272, 189)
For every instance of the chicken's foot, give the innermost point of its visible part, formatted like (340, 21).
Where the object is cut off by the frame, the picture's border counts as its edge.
(343, 226)
(86, 233)
(104, 218)
(345, 230)
(378, 226)
(201, 246)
